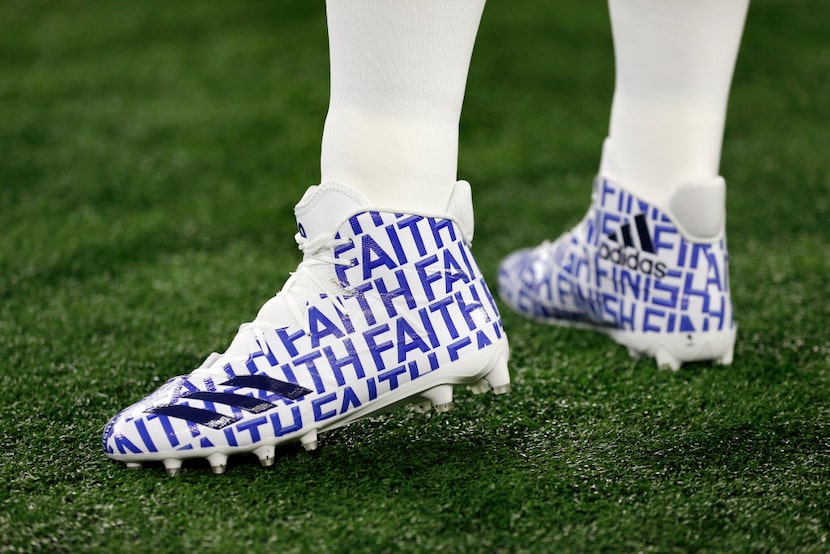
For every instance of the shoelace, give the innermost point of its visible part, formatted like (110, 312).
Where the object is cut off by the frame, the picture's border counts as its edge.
(297, 288)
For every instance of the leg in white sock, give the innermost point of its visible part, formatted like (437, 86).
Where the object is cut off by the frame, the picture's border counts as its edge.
(675, 60)
(398, 73)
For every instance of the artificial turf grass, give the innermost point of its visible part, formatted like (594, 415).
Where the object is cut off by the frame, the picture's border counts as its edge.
(144, 146)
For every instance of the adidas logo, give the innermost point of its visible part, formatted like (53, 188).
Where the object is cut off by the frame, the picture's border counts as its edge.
(216, 420)
(628, 254)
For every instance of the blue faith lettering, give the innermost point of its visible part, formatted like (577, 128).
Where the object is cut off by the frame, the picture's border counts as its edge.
(351, 358)
(377, 349)
(308, 361)
(380, 257)
(319, 326)
(408, 339)
(389, 295)
(280, 430)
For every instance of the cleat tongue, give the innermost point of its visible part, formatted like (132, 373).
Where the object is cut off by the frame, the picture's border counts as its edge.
(265, 453)
(218, 463)
(173, 466)
(309, 440)
(323, 207)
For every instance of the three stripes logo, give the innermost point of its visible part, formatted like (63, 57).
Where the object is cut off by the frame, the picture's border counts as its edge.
(627, 254)
(215, 420)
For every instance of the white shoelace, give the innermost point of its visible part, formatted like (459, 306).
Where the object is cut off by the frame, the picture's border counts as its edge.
(301, 285)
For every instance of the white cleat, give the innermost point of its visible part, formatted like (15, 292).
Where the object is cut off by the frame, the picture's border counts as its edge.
(385, 309)
(653, 278)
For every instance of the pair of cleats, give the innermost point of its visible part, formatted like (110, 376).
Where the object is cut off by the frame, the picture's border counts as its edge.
(391, 309)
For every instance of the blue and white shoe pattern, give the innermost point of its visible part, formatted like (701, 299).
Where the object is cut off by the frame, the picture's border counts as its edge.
(627, 270)
(390, 309)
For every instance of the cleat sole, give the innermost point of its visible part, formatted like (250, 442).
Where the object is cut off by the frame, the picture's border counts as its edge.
(670, 351)
(432, 391)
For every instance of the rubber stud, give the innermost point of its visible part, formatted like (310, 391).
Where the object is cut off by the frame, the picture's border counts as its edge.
(172, 466)
(480, 387)
(218, 463)
(134, 465)
(503, 389)
(423, 406)
(499, 376)
(444, 408)
(309, 440)
(440, 397)
(666, 360)
(265, 453)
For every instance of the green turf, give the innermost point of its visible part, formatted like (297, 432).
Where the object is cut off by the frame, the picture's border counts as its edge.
(150, 154)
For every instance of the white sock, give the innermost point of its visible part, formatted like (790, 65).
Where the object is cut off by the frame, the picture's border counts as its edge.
(675, 60)
(398, 74)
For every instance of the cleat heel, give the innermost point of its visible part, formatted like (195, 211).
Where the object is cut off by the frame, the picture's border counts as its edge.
(309, 440)
(172, 466)
(265, 453)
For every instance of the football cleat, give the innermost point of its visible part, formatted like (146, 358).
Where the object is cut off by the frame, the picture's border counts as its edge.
(653, 280)
(385, 309)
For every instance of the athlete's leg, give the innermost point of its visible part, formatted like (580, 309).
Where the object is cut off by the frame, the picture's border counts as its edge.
(398, 73)
(647, 265)
(674, 64)
(388, 305)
